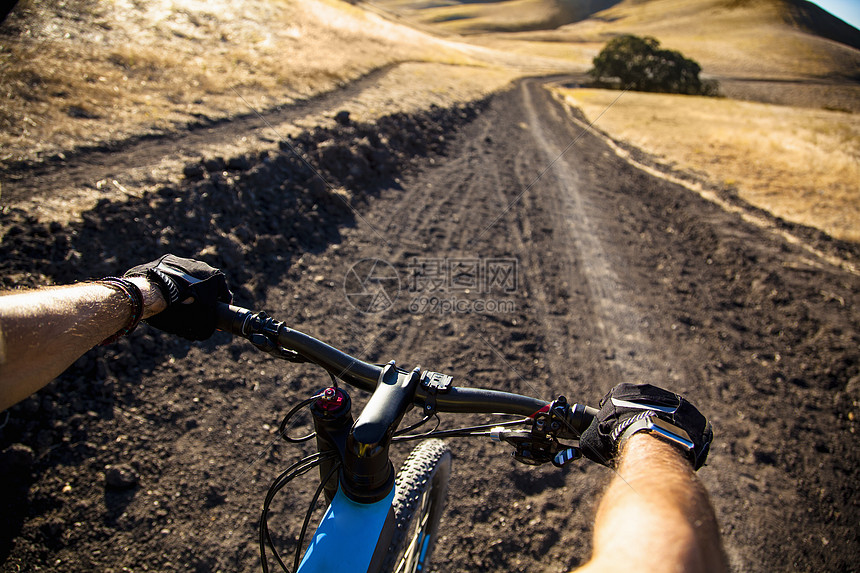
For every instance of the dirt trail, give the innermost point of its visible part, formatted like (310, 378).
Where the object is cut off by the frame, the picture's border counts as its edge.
(622, 276)
(61, 187)
(91, 172)
(618, 276)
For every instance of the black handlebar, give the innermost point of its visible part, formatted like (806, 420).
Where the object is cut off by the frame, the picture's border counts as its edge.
(276, 338)
(243, 322)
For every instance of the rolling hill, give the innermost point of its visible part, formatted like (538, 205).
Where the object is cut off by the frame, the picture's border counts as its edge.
(465, 17)
(736, 38)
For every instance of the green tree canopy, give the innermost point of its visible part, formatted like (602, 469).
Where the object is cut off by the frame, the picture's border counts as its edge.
(639, 64)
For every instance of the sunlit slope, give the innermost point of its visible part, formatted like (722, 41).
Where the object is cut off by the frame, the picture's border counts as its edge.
(762, 38)
(81, 73)
(744, 38)
(495, 16)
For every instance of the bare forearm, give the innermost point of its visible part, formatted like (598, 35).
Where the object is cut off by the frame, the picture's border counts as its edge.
(656, 514)
(43, 332)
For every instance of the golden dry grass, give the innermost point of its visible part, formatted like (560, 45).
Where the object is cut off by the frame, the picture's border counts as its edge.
(85, 72)
(441, 84)
(103, 71)
(748, 39)
(801, 164)
(728, 37)
(506, 16)
(565, 56)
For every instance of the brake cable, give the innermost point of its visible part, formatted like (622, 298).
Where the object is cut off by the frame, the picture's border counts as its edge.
(299, 468)
(399, 437)
(310, 511)
(282, 428)
(465, 432)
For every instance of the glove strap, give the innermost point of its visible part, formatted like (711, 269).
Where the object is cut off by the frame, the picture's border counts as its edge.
(649, 422)
(165, 284)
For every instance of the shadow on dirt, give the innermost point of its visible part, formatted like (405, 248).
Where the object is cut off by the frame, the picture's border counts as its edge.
(251, 215)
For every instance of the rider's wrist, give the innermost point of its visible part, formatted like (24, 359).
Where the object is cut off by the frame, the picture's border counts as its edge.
(648, 444)
(650, 422)
(153, 299)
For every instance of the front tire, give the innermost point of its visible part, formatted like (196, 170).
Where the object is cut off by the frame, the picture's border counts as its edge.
(419, 499)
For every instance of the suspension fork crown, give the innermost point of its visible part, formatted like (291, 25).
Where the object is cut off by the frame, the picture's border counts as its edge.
(332, 415)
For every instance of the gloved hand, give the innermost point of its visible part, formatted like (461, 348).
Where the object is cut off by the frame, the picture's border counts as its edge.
(629, 408)
(180, 280)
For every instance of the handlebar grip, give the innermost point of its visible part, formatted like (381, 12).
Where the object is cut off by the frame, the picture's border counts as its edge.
(231, 318)
(581, 418)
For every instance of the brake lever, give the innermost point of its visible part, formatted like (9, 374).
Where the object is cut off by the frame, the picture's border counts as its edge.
(536, 449)
(540, 444)
(265, 344)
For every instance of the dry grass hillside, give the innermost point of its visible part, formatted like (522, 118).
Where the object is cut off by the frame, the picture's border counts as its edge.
(740, 38)
(800, 164)
(86, 73)
(495, 16)
(763, 39)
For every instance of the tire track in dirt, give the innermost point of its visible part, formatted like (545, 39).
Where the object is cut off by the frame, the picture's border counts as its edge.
(766, 345)
(625, 276)
(615, 318)
(93, 163)
(762, 219)
(694, 271)
(64, 186)
(441, 215)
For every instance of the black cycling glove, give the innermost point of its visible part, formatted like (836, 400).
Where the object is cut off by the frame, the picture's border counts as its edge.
(180, 279)
(629, 408)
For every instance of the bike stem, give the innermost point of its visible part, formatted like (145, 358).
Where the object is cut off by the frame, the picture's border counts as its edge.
(332, 415)
(367, 474)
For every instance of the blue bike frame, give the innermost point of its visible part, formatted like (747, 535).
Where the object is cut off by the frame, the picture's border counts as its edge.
(351, 538)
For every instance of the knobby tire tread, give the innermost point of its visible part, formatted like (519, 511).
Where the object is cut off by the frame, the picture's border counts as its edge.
(427, 467)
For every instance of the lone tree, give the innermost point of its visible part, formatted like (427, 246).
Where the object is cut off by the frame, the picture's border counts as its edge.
(639, 64)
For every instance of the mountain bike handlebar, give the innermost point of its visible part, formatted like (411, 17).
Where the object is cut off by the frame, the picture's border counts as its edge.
(434, 394)
(353, 454)
(283, 342)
